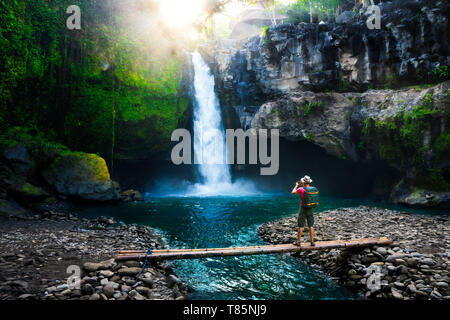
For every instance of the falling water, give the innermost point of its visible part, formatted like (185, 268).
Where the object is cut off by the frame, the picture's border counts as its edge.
(209, 142)
(209, 139)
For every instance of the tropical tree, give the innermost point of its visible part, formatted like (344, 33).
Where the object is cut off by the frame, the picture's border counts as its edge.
(306, 10)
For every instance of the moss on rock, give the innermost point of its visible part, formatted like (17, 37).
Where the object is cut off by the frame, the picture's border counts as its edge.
(442, 145)
(82, 175)
(405, 142)
(31, 191)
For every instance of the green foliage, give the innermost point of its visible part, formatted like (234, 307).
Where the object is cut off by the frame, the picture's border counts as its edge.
(343, 85)
(440, 73)
(311, 107)
(28, 42)
(436, 75)
(266, 34)
(391, 81)
(275, 110)
(362, 145)
(442, 145)
(299, 11)
(435, 179)
(41, 150)
(77, 86)
(420, 87)
(265, 30)
(310, 136)
(30, 190)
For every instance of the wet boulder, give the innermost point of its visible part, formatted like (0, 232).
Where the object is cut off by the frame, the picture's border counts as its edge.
(18, 157)
(406, 194)
(8, 208)
(82, 175)
(131, 195)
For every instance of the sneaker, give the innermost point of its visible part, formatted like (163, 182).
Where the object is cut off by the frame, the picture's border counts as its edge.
(313, 244)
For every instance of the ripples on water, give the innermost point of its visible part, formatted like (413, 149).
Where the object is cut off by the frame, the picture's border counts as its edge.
(196, 222)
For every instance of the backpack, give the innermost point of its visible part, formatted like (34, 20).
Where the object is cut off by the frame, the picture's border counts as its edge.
(311, 197)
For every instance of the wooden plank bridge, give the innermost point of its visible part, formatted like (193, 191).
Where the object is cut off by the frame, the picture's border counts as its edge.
(251, 250)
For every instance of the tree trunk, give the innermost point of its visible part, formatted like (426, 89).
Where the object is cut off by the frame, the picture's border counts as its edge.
(274, 20)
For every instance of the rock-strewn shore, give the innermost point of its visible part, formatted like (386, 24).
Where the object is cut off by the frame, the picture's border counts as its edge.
(416, 266)
(36, 251)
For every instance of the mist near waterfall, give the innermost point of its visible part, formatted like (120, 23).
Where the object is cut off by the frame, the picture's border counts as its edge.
(184, 188)
(214, 176)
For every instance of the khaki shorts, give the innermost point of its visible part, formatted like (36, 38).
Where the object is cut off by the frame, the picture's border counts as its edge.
(305, 214)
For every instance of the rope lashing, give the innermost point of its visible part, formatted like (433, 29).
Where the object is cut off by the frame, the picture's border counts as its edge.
(144, 265)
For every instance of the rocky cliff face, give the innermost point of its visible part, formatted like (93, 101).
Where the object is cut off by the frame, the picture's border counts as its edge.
(412, 41)
(360, 94)
(321, 118)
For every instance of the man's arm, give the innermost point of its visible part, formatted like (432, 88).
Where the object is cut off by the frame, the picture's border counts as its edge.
(294, 191)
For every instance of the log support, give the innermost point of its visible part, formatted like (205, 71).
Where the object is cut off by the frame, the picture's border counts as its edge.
(250, 250)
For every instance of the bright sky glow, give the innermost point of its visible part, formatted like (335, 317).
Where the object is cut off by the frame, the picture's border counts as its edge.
(181, 12)
(184, 14)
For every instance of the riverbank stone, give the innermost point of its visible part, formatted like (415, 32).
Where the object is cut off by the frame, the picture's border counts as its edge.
(414, 267)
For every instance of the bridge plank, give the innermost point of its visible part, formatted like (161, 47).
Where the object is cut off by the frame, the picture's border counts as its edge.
(250, 250)
(121, 252)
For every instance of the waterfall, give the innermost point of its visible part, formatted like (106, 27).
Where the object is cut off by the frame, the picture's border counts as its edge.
(209, 139)
(210, 152)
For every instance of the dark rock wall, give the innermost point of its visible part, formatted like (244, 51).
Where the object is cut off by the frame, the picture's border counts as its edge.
(412, 41)
(351, 73)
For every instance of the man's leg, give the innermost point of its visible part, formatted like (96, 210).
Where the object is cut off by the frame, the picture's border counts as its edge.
(300, 226)
(311, 234)
(310, 217)
(299, 235)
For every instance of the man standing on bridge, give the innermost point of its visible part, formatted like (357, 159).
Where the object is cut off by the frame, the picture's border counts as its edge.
(310, 200)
